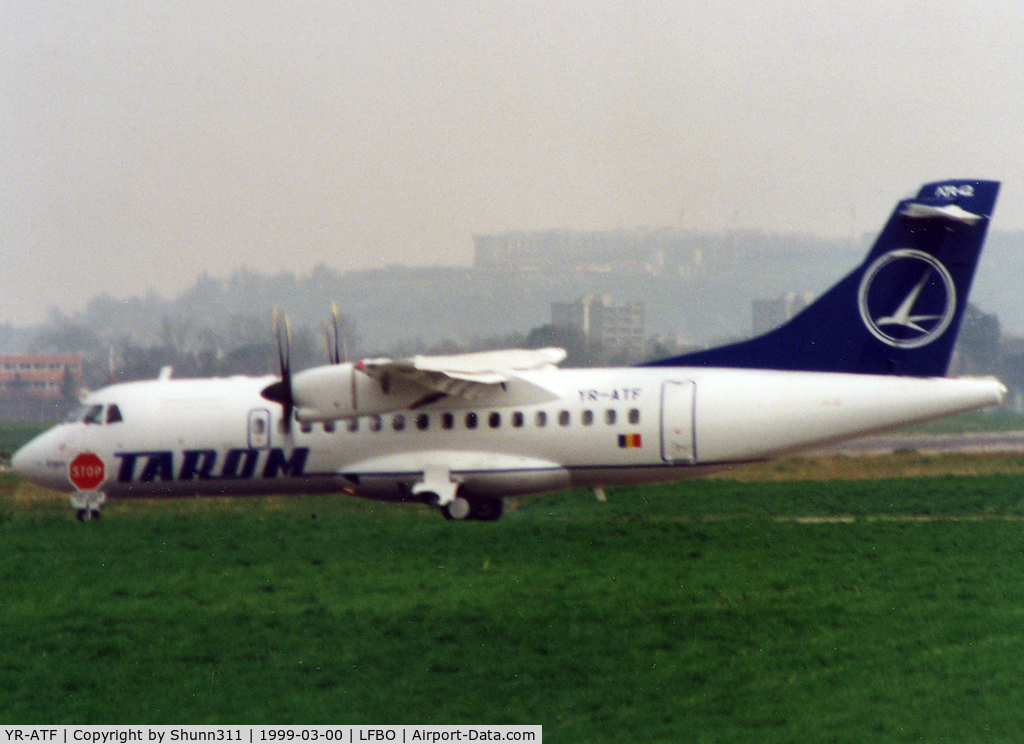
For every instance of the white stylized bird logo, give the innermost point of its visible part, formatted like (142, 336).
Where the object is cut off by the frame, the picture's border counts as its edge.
(903, 316)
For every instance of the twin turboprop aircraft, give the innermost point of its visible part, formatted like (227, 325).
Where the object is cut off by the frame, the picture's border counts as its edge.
(464, 432)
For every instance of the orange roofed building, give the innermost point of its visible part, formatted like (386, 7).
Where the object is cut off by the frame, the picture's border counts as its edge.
(40, 375)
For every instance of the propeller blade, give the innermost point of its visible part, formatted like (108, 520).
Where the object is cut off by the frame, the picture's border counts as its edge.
(334, 316)
(333, 346)
(327, 344)
(281, 392)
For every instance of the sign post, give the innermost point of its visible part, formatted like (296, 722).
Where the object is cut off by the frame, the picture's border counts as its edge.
(87, 473)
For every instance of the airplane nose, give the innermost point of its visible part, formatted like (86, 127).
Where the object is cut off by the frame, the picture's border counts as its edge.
(19, 461)
(26, 461)
(35, 462)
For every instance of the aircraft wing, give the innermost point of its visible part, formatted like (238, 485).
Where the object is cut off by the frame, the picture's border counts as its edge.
(466, 376)
(375, 386)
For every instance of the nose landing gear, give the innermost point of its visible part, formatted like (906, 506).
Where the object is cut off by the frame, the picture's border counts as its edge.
(87, 504)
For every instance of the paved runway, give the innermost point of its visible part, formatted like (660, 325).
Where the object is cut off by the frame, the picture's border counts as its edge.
(999, 441)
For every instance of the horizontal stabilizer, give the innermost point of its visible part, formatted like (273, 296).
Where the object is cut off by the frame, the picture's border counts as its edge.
(949, 212)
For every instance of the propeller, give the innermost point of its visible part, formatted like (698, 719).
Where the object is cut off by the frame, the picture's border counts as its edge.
(281, 391)
(333, 350)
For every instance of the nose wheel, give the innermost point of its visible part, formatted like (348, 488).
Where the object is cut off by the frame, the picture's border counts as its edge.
(87, 504)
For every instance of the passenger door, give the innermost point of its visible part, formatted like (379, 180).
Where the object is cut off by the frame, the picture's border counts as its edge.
(677, 435)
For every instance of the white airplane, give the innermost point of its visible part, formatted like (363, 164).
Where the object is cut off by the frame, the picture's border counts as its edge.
(463, 432)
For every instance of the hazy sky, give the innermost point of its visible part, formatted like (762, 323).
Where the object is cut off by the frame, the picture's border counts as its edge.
(146, 141)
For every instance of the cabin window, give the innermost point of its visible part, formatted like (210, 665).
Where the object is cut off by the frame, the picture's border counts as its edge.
(518, 419)
(471, 420)
(398, 422)
(305, 427)
(422, 422)
(634, 415)
(329, 427)
(114, 414)
(609, 416)
(447, 420)
(564, 419)
(494, 420)
(353, 425)
(375, 423)
(587, 417)
(541, 419)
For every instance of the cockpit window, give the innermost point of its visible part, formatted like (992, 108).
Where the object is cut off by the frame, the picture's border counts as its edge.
(96, 413)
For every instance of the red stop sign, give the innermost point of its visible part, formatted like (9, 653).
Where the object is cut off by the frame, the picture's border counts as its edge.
(86, 471)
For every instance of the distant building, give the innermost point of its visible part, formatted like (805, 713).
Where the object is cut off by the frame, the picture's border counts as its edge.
(516, 251)
(40, 375)
(626, 252)
(614, 327)
(769, 314)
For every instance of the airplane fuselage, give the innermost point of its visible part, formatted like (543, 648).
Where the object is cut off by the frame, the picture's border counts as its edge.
(602, 427)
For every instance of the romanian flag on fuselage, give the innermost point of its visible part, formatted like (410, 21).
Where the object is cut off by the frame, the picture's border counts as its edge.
(629, 441)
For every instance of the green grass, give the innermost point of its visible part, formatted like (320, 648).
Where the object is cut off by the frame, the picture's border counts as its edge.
(701, 612)
(13, 434)
(993, 419)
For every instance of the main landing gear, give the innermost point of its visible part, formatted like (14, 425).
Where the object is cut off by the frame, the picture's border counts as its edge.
(439, 489)
(87, 504)
(468, 507)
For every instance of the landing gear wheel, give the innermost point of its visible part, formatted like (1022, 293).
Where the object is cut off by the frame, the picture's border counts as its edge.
(87, 504)
(458, 509)
(487, 509)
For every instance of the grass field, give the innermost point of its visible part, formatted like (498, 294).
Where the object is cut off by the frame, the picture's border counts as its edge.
(841, 610)
(989, 419)
(13, 434)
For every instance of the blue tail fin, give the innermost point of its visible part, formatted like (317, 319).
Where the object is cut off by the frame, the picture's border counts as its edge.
(897, 313)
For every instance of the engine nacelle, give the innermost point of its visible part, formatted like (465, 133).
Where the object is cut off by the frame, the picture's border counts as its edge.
(341, 391)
